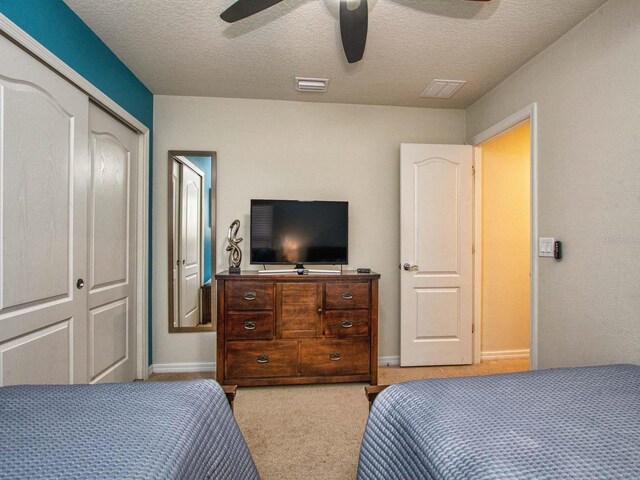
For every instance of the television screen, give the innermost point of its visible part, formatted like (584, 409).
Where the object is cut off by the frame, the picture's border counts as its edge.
(294, 232)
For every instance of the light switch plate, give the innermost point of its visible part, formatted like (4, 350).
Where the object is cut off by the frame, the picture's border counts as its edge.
(545, 247)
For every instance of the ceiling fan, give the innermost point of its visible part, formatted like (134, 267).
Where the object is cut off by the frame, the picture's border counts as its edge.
(353, 23)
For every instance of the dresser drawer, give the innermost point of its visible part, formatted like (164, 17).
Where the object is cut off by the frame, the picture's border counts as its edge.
(347, 295)
(249, 296)
(249, 326)
(345, 323)
(335, 357)
(262, 359)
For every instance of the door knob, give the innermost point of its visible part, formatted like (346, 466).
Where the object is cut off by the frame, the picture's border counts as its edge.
(408, 267)
(80, 284)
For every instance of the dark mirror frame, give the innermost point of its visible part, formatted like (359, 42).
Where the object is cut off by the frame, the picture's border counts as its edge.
(212, 306)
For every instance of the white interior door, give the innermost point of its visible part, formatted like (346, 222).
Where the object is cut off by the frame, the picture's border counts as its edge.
(43, 192)
(190, 247)
(112, 249)
(436, 254)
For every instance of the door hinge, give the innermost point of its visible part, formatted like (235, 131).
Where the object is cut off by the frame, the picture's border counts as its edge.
(473, 328)
(473, 170)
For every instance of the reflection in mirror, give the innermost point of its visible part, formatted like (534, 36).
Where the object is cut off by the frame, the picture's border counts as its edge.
(192, 220)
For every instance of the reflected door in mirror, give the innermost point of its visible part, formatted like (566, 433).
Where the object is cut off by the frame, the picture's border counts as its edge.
(192, 187)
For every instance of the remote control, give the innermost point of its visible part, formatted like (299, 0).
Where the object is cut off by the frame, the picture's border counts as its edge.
(364, 270)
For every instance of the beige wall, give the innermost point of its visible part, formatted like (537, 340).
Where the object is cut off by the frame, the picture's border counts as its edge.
(586, 87)
(506, 242)
(293, 150)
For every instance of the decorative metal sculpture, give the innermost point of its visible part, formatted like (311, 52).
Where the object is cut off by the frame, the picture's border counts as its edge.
(235, 254)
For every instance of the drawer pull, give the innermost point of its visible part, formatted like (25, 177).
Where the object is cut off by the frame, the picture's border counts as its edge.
(347, 324)
(347, 295)
(263, 358)
(250, 296)
(334, 357)
(249, 325)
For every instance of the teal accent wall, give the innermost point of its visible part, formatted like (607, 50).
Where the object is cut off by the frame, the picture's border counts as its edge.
(204, 164)
(59, 29)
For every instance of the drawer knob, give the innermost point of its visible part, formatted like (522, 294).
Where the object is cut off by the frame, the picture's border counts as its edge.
(250, 296)
(334, 357)
(347, 324)
(263, 358)
(347, 295)
(249, 325)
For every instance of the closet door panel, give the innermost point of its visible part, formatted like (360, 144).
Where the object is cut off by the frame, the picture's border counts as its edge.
(112, 248)
(109, 206)
(108, 322)
(37, 195)
(43, 193)
(42, 356)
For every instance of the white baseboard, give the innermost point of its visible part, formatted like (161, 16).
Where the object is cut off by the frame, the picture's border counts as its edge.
(183, 367)
(504, 354)
(389, 361)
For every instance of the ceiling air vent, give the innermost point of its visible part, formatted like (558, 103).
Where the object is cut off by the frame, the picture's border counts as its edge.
(317, 85)
(443, 88)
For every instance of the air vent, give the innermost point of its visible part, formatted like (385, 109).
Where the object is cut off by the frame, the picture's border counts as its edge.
(443, 88)
(318, 85)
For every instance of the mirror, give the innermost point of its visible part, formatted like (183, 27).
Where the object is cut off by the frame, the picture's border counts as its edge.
(192, 239)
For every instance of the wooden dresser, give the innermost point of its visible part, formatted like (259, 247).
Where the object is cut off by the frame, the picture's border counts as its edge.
(292, 329)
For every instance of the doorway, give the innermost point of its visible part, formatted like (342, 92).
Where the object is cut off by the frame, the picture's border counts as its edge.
(441, 241)
(528, 114)
(503, 245)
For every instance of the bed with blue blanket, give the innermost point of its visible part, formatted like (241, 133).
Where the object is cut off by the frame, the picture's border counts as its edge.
(140, 430)
(569, 424)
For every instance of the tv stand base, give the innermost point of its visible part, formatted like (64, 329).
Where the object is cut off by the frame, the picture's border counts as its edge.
(299, 270)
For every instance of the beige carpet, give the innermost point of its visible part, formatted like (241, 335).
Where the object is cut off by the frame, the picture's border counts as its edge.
(314, 432)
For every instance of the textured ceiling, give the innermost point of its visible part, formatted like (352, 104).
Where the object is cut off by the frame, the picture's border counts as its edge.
(182, 47)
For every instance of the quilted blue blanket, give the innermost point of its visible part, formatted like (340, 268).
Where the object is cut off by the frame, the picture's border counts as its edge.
(572, 423)
(168, 430)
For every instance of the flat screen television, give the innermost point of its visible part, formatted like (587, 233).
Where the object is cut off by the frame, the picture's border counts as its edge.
(291, 232)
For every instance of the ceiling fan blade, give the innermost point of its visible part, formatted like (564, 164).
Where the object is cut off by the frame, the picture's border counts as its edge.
(353, 30)
(245, 8)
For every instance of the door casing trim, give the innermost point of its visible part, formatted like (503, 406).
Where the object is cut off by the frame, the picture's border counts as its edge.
(529, 113)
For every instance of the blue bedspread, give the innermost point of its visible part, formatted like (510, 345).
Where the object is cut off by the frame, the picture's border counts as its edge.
(167, 430)
(565, 424)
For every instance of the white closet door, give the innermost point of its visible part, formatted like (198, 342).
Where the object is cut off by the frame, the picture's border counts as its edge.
(190, 247)
(112, 249)
(43, 209)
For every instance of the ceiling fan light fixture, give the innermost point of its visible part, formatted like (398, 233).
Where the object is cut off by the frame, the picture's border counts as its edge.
(443, 88)
(317, 85)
